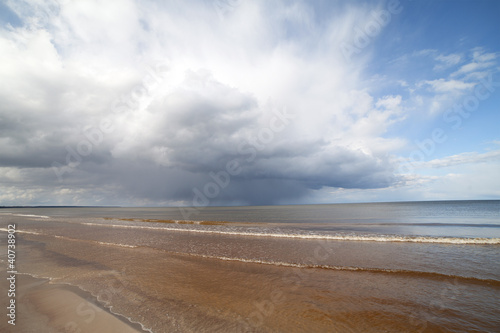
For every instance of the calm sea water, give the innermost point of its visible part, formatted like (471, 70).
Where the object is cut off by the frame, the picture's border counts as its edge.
(460, 219)
(381, 267)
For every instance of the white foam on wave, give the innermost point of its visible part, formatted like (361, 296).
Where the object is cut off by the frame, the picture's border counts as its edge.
(288, 264)
(69, 238)
(117, 244)
(23, 232)
(98, 242)
(426, 274)
(369, 238)
(31, 215)
(29, 232)
(107, 304)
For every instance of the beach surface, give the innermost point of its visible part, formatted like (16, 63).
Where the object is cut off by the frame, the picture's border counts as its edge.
(45, 307)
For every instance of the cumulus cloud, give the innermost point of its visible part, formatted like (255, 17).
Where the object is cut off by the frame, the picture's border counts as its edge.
(226, 81)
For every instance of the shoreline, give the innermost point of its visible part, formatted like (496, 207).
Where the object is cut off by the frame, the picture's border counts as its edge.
(43, 306)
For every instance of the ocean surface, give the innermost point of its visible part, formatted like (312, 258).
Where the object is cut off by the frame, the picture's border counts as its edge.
(379, 267)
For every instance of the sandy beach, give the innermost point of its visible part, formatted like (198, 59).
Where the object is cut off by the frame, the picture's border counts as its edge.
(46, 307)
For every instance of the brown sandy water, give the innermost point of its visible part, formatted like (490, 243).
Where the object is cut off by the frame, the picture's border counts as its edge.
(189, 281)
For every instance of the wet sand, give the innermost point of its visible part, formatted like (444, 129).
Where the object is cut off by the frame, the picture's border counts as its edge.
(45, 307)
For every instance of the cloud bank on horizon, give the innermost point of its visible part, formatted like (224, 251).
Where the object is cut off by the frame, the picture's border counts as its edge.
(232, 102)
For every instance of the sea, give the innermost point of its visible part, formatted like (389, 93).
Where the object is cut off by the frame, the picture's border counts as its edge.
(368, 267)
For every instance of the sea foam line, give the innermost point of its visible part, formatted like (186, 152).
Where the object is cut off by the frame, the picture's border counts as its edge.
(24, 232)
(384, 238)
(94, 241)
(117, 244)
(422, 274)
(31, 215)
(70, 238)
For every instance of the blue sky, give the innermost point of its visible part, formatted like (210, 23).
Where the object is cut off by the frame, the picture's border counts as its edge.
(229, 102)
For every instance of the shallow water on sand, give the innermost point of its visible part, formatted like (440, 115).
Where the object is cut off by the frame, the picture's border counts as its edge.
(269, 275)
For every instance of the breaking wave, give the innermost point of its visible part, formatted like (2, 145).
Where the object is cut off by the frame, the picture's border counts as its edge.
(96, 242)
(31, 215)
(400, 272)
(340, 237)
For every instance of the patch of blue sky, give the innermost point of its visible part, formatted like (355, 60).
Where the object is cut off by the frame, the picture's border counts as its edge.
(8, 17)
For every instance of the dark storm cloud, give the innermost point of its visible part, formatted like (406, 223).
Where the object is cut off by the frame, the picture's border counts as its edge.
(170, 151)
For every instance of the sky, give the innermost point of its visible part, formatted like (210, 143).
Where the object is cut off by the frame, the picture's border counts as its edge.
(232, 102)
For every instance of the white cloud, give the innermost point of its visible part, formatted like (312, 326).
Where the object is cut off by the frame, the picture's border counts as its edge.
(447, 61)
(462, 158)
(442, 61)
(441, 93)
(449, 86)
(474, 181)
(460, 182)
(480, 61)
